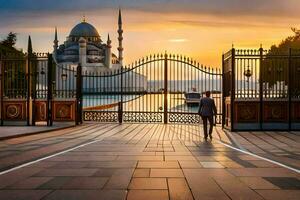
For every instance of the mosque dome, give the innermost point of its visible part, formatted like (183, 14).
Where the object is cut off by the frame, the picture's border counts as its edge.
(84, 29)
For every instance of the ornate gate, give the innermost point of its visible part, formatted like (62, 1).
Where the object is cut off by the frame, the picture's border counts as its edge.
(158, 88)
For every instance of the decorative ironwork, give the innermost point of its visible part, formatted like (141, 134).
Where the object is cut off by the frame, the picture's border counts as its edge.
(145, 117)
(100, 116)
(248, 73)
(186, 118)
(152, 87)
(64, 110)
(40, 110)
(14, 110)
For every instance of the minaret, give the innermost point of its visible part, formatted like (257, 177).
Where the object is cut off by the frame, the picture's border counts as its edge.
(108, 53)
(29, 46)
(55, 46)
(120, 38)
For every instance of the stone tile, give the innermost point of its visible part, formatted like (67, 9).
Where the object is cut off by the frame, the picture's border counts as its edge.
(113, 164)
(211, 165)
(85, 183)
(258, 183)
(148, 195)
(141, 173)
(30, 183)
(230, 164)
(82, 158)
(279, 194)
(179, 190)
(190, 164)
(157, 164)
(23, 194)
(105, 172)
(285, 183)
(263, 172)
(205, 158)
(149, 158)
(87, 195)
(235, 189)
(18, 175)
(43, 164)
(55, 183)
(179, 158)
(166, 173)
(148, 184)
(69, 165)
(120, 179)
(262, 163)
(248, 157)
(204, 188)
(67, 172)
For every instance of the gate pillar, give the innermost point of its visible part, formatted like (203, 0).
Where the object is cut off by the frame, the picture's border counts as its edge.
(166, 89)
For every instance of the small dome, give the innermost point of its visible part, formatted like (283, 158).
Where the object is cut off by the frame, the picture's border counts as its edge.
(84, 29)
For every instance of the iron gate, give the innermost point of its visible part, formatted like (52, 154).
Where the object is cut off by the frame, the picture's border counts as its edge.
(261, 89)
(152, 89)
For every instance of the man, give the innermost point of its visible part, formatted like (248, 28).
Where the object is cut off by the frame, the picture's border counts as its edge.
(207, 110)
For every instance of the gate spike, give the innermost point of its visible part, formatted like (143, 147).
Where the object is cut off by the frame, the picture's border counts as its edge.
(150, 57)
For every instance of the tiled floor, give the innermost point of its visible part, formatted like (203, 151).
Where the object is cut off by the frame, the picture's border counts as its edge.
(279, 146)
(139, 161)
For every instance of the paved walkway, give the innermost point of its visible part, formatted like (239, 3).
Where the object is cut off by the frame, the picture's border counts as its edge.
(16, 131)
(137, 161)
(280, 146)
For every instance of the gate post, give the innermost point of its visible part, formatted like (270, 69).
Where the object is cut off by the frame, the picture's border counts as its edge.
(50, 91)
(120, 112)
(260, 88)
(232, 110)
(1, 89)
(290, 85)
(78, 114)
(223, 92)
(28, 75)
(166, 88)
(120, 104)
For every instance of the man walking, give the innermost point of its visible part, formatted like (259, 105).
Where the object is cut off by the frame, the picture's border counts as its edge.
(207, 110)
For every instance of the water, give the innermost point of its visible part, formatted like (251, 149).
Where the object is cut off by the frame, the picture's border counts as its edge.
(146, 103)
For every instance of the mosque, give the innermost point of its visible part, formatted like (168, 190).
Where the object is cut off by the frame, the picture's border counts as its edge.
(85, 46)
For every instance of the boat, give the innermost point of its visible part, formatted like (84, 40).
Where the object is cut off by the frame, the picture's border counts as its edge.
(192, 98)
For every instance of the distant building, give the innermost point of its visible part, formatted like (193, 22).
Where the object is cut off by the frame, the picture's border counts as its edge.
(85, 46)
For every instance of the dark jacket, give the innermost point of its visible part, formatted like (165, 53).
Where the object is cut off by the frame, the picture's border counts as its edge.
(207, 107)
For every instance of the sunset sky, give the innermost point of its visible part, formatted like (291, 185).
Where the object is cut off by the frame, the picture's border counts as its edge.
(201, 29)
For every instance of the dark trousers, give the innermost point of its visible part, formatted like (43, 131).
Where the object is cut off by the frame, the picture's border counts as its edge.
(211, 123)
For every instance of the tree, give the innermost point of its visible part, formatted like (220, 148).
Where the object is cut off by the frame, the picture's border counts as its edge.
(10, 40)
(290, 42)
(276, 69)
